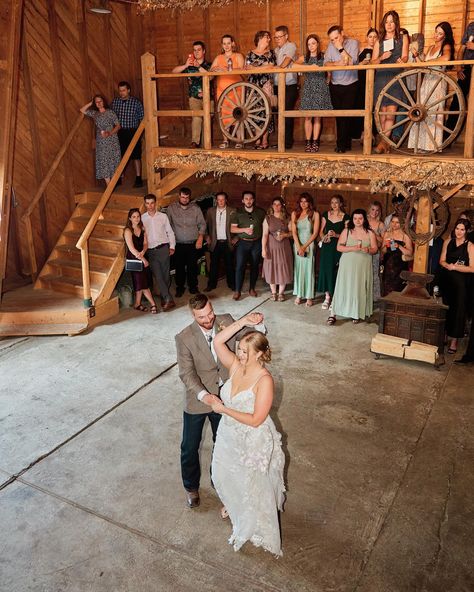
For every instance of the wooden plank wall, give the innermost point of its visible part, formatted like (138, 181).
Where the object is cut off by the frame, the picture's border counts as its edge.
(67, 55)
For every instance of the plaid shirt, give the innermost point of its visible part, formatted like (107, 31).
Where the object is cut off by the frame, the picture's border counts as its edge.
(129, 111)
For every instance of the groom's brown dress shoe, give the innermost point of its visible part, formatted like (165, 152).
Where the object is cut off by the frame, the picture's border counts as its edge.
(192, 498)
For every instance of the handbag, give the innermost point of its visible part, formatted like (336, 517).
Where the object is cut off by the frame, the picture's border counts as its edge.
(133, 265)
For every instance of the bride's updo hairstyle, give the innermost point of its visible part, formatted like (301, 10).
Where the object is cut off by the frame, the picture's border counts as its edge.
(259, 343)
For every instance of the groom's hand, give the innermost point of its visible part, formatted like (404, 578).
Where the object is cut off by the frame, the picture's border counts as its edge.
(210, 399)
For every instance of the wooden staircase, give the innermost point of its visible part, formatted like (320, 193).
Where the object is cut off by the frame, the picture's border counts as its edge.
(55, 304)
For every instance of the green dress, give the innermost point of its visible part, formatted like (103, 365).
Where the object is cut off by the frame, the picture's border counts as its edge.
(303, 285)
(354, 283)
(330, 256)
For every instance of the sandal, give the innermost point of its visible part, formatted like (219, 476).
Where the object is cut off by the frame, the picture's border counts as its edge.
(153, 309)
(281, 298)
(224, 513)
(331, 320)
(452, 350)
(141, 308)
(274, 297)
(355, 321)
(261, 147)
(315, 146)
(298, 301)
(325, 305)
(224, 145)
(309, 302)
(238, 146)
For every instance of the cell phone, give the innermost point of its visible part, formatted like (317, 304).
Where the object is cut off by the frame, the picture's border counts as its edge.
(305, 254)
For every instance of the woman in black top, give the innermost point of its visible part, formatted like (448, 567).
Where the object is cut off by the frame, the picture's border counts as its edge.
(364, 58)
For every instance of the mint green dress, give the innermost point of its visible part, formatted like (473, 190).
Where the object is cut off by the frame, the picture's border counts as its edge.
(303, 285)
(354, 284)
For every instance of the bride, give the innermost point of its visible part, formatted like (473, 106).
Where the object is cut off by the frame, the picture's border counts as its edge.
(248, 461)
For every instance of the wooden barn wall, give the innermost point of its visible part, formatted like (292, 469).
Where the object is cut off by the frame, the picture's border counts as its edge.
(67, 55)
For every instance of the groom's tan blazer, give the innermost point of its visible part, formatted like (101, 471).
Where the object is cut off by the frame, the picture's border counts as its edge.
(197, 368)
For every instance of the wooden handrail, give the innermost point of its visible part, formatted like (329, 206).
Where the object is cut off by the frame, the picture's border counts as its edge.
(52, 169)
(82, 243)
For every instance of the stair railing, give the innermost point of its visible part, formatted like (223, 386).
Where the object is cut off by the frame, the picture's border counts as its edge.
(26, 217)
(83, 242)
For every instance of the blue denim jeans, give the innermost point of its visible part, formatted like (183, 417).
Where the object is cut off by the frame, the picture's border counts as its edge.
(193, 425)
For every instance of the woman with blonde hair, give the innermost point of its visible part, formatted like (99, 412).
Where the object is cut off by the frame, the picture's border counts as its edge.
(248, 461)
(276, 249)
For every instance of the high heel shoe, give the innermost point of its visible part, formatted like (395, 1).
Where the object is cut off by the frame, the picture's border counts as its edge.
(382, 148)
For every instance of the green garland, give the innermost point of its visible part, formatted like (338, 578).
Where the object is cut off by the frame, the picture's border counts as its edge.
(415, 173)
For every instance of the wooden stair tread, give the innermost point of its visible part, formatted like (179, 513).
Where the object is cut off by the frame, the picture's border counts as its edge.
(85, 220)
(12, 329)
(50, 277)
(76, 264)
(89, 205)
(75, 234)
(30, 298)
(94, 252)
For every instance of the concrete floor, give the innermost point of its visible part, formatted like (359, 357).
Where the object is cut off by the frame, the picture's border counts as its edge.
(380, 465)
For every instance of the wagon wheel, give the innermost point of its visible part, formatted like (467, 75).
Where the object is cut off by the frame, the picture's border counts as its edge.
(244, 112)
(413, 112)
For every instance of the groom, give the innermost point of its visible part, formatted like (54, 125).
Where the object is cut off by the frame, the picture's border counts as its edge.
(202, 375)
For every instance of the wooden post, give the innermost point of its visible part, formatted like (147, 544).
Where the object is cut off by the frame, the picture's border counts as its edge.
(86, 280)
(206, 105)
(151, 122)
(281, 111)
(469, 133)
(369, 106)
(31, 248)
(423, 222)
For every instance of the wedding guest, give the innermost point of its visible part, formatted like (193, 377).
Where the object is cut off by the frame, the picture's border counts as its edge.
(457, 261)
(276, 249)
(262, 56)
(107, 146)
(390, 48)
(220, 242)
(315, 93)
(129, 111)
(354, 284)
(285, 52)
(397, 250)
(333, 223)
(247, 224)
(248, 460)
(365, 56)
(229, 59)
(161, 246)
(429, 136)
(189, 227)
(305, 227)
(195, 62)
(376, 224)
(398, 202)
(136, 242)
(342, 51)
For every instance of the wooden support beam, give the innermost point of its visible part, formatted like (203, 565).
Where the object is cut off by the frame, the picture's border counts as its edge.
(469, 133)
(369, 106)
(449, 194)
(206, 103)
(423, 223)
(281, 111)
(13, 11)
(151, 123)
(172, 180)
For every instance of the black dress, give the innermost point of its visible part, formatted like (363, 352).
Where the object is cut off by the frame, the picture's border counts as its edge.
(393, 265)
(454, 287)
(139, 278)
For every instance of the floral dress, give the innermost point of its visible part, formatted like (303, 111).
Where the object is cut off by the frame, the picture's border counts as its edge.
(107, 150)
(264, 81)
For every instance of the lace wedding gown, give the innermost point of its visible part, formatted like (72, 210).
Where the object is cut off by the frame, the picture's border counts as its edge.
(247, 472)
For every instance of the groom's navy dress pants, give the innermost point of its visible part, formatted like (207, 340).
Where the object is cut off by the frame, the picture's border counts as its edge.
(193, 425)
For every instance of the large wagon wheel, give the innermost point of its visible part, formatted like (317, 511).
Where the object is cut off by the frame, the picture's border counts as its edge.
(244, 112)
(413, 112)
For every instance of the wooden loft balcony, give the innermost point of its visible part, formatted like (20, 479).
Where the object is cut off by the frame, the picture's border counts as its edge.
(449, 162)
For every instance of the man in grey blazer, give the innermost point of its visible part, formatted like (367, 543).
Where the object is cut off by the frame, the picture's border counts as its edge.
(220, 242)
(202, 375)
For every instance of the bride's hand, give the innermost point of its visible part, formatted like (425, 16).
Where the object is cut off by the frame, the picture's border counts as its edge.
(218, 406)
(210, 399)
(253, 318)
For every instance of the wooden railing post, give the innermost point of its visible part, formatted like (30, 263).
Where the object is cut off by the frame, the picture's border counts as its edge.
(281, 111)
(31, 248)
(369, 107)
(423, 220)
(152, 136)
(86, 282)
(206, 105)
(469, 133)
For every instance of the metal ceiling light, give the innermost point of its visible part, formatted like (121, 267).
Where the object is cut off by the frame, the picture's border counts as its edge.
(99, 7)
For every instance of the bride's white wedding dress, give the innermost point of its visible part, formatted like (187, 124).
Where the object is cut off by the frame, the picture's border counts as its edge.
(247, 472)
